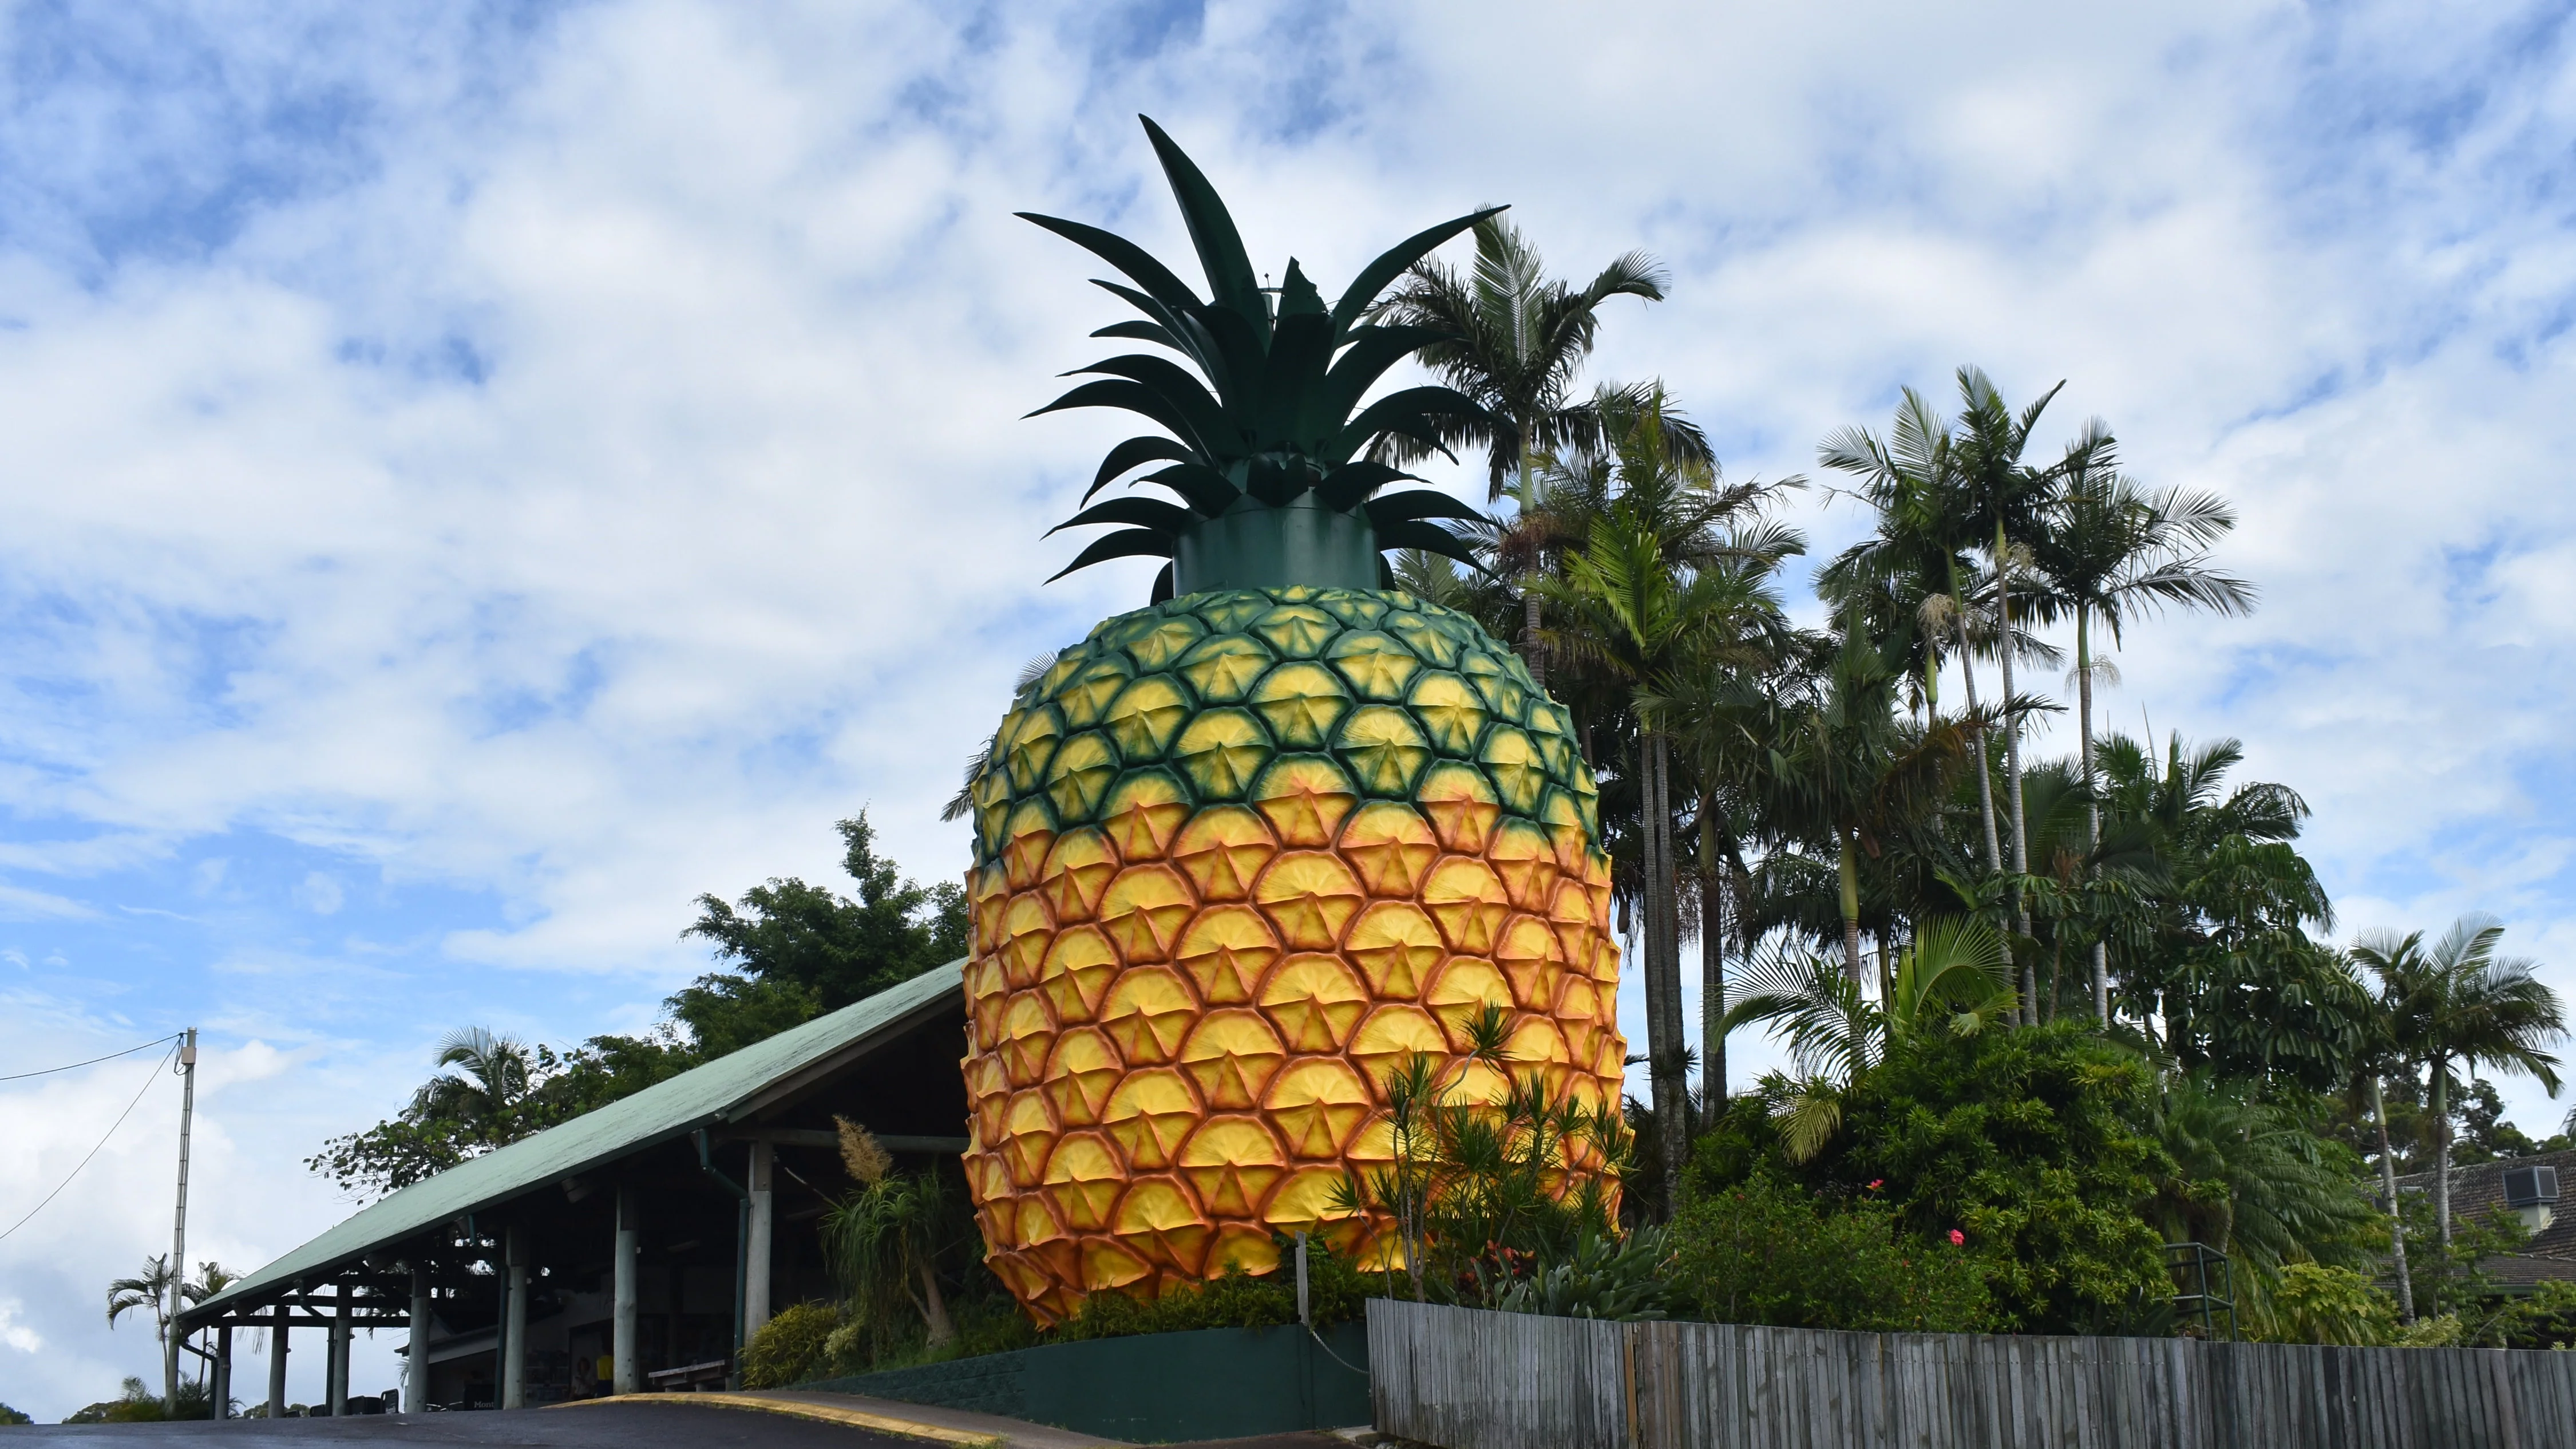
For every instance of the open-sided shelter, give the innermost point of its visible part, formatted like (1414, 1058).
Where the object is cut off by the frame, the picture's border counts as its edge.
(651, 1236)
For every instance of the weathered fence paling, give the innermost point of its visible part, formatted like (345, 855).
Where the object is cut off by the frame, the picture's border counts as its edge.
(1466, 1379)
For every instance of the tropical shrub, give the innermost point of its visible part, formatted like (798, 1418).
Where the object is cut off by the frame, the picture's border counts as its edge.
(789, 1348)
(2315, 1303)
(2019, 1141)
(2545, 1319)
(1621, 1279)
(1769, 1251)
(1480, 1192)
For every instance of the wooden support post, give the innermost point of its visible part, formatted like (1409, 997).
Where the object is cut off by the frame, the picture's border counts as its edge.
(336, 1392)
(415, 1393)
(757, 1253)
(514, 1346)
(623, 1378)
(277, 1367)
(223, 1393)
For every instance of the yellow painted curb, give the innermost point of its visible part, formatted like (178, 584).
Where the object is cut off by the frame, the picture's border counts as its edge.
(855, 1418)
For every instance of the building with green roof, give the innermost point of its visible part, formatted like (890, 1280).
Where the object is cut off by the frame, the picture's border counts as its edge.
(639, 1244)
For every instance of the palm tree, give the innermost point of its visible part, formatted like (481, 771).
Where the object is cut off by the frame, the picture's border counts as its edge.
(2280, 1199)
(2111, 549)
(2459, 1004)
(2010, 500)
(1847, 771)
(150, 1290)
(1655, 590)
(1927, 527)
(2379, 1056)
(1514, 338)
(1718, 719)
(497, 1074)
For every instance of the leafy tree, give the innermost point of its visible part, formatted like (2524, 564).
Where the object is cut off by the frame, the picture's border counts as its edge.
(2314, 1303)
(2485, 1135)
(2220, 952)
(808, 949)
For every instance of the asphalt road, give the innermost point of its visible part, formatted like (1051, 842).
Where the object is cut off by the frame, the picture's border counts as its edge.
(591, 1426)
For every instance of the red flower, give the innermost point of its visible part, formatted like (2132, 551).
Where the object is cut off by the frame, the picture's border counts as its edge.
(1958, 1239)
(1876, 1183)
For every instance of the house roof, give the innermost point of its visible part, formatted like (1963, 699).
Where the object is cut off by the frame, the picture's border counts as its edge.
(728, 1089)
(2477, 1189)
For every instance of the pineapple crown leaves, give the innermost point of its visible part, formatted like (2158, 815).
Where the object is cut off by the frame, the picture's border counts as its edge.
(1269, 417)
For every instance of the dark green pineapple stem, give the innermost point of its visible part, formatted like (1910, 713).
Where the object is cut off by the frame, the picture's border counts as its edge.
(1258, 546)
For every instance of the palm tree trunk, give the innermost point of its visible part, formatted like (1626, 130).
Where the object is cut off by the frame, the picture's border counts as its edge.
(1985, 778)
(934, 1308)
(2442, 1145)
(2396, 1218)
(1712, 961)
(1530, 653)
(1664, 965)
(2092, 803)
(1848, 867)
(2012, 759)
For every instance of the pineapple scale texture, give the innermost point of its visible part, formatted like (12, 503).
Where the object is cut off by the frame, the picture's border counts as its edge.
(1237, 856)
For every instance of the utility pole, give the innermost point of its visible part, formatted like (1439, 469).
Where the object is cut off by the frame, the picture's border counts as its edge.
(179, 1228)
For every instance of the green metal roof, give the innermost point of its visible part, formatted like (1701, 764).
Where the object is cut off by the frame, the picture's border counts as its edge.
(723, 1090)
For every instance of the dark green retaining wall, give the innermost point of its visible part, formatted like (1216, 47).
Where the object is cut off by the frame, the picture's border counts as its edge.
(1215, 1383)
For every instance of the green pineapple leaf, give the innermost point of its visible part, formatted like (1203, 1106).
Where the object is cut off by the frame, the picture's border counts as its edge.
(1262, 437)
(1126, 543)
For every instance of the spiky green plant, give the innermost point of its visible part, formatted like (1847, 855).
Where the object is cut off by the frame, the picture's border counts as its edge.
(1264, 442)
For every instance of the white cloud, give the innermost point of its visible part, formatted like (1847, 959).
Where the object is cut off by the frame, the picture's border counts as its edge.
(319, 894)
(15, 1334)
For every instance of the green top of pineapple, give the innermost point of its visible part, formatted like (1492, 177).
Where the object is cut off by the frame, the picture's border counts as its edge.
(1261, 443)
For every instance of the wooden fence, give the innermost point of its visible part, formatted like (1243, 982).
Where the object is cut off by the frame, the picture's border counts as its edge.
(1466, 1379)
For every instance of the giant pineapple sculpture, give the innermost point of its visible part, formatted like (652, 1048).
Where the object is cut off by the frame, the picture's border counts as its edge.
(1243, 852)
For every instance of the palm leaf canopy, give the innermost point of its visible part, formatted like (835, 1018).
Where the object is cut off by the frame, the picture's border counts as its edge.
(1267, 415)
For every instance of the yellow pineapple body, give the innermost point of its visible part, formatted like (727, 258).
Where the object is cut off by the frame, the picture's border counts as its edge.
(1238, 855)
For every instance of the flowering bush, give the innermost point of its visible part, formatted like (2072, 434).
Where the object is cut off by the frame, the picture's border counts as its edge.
(1768, 1251)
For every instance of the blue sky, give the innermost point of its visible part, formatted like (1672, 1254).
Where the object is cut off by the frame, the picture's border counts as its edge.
(480, 476)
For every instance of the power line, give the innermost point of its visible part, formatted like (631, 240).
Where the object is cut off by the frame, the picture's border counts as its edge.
(102, 1142)
(93, 1061)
